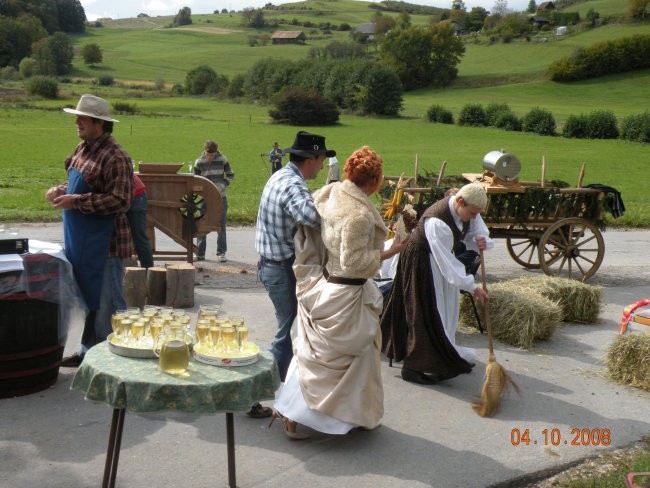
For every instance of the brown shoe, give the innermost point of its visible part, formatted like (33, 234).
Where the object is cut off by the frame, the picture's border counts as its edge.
(72, 361)
(258, 411)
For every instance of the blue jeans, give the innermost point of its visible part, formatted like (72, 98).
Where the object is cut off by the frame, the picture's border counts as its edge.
(98, 322)
(280, 283)
(222, 247)
(137, 216)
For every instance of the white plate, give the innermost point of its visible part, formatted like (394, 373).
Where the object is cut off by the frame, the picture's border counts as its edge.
(129, 352)
(226, 360)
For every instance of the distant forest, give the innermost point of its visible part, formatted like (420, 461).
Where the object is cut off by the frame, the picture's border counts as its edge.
(399, 6)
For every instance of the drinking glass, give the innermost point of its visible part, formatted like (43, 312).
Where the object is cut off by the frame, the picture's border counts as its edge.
(116, 318)
(228, 337)
(242, 337)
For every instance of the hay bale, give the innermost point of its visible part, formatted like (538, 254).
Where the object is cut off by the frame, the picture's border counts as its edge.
(518, 316)
(579, 301)
(628, 360)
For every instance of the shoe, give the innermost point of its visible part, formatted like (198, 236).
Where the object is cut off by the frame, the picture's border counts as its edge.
(258, 411)
(289, 427)
(72, 361)
(418, 377)
(200, 258)
(221, 258)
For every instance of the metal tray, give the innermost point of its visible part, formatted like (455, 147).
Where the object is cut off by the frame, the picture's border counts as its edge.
(226, 360)
(129, 352)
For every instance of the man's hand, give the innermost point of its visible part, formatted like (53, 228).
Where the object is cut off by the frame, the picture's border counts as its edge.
(63, 202)
(482, 295)
(53, 192)
(481, 243)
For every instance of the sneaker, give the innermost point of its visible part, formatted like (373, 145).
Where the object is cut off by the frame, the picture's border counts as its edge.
(72, 361)
(221, 258)
(200, 258)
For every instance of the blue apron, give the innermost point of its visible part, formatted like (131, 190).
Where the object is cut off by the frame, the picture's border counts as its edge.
(87, 243)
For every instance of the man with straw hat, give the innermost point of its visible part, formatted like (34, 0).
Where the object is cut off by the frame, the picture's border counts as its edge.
(421, 315)
(94, 200)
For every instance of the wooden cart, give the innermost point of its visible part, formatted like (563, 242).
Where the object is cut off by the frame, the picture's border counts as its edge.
(545, 226)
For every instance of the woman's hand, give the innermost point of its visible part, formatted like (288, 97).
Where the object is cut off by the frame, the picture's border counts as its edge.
(396, 247)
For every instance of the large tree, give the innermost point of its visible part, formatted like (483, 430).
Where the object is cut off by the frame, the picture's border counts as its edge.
(92, 54)
(183, 17)
(422, 56)
(54, 54)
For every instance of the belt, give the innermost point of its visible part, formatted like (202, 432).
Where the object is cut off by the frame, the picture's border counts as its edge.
(273, 261)
(339, 280)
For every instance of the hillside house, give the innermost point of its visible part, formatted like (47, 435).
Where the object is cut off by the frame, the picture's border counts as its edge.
(458, 28)
(546, 7)
(288, 37)
(366, 30)
(538, 21)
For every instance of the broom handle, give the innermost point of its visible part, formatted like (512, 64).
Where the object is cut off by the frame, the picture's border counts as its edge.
(486, 313)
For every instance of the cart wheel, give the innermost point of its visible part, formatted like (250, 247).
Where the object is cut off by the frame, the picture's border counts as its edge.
(524, 250)
(194, 204)
(571, 248)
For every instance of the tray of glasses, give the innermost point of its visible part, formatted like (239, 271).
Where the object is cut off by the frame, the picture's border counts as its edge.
(203, 353)
(143, 349)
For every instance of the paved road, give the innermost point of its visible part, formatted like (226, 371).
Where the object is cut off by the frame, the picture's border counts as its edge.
(429, 437)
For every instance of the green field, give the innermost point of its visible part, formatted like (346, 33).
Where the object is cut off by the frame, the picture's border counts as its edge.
(35, 136)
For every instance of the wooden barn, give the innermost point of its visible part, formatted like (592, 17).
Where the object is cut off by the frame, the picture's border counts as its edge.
(288, 37)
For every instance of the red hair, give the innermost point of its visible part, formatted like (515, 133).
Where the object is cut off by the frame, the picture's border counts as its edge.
(363, 166)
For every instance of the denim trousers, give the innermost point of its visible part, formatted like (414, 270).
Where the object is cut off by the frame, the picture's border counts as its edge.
(222, 247)
(137, 216)
(280, 284)
(98, 322)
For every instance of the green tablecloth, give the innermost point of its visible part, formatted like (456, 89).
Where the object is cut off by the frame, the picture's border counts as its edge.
(140, 386)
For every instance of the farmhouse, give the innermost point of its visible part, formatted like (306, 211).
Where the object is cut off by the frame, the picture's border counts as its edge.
(288, 37)
(366, 30)
(546, 6)
(458, 28)
(538, 21)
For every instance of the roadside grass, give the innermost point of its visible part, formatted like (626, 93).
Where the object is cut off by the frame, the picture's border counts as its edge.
(243, 132)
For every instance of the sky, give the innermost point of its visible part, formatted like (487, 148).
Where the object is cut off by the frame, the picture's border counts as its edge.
(118, 9)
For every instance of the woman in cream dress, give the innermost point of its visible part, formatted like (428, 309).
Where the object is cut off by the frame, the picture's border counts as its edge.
(334, 381)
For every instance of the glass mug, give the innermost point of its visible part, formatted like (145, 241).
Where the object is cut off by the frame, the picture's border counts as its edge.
(172, 349)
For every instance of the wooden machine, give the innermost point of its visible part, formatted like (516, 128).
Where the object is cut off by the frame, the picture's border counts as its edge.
(183, 206)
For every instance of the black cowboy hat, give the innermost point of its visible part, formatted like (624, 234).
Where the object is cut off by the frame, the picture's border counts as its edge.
(306, 145)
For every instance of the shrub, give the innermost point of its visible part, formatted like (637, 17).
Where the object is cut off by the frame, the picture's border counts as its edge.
(493, 110)
(636, 127)
(507, 121)
(28, 67)
(576, 127)
(45, 86)
(439, 114)
(296, 106)
(602, 124)
(383, 91)
(9, 73)
(204, 79)
(540, 121)
(472, 114)
(125, 108)
(236, 86)
(105, 80)
(177, 89)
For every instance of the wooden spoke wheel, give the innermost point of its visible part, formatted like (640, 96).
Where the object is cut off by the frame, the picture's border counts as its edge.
(524, 249)
(571, 248)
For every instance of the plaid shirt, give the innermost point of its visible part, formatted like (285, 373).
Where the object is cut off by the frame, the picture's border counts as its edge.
(108, 170)
(286, 203)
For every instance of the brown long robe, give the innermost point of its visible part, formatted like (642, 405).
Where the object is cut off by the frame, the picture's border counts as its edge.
(411, 327)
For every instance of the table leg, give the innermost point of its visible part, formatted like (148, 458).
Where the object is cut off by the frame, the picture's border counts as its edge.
(230, 440)
(113, 450)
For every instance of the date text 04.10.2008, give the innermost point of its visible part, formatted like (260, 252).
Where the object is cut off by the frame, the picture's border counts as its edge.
(554, 437)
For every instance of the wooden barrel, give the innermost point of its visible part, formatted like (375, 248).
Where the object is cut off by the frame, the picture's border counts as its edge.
(30, 345)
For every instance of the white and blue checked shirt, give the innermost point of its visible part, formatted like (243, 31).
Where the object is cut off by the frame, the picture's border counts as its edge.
(286, 203)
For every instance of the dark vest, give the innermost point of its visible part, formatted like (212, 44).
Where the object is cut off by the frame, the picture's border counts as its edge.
(440, 210)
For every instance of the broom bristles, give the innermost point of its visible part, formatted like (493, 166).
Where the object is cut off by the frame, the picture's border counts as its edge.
(495, 383)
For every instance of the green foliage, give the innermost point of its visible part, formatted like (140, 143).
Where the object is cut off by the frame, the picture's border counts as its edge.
(638, 9)
(557, 17)
(105, 80)
(591, 17)
(507, 121)
(439, 114)
(9, 73)
(236, 86)
(52, 15)
(539, 121)
(338, 50)
(636, 127)
(472, 114)
(576, 127)
(28, 67)
(92, 54)
(177, 89)
(183, 17)
(204, 80)
(296, 106)
(44, 86)
(604, 58)
(125, 108)
(382, 94)
(601, 124)
(71, 16)
(475, 19)
(54, 54)
(17, 36)
(400, 6)
(493, 109)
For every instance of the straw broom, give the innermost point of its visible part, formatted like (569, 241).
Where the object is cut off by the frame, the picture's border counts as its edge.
(496, 378)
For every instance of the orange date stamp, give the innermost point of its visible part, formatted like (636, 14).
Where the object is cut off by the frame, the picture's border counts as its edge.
(573, 436)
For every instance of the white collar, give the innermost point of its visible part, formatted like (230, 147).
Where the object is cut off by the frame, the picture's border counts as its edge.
(457, 220)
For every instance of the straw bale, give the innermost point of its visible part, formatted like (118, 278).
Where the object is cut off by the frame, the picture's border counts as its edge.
(628, 360)
(518, 316)
(579, 301)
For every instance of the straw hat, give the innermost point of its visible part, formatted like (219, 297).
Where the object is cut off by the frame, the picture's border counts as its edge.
(92, 106)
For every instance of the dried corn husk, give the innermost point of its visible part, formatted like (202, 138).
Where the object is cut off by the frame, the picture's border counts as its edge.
(579, 301)
(519, 317)
(628, 360)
